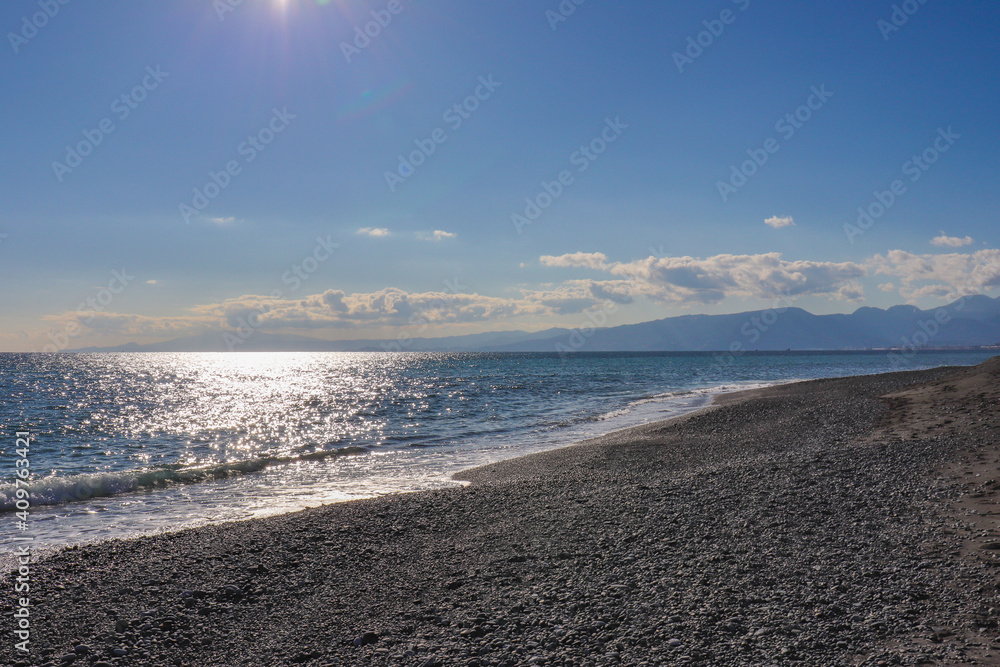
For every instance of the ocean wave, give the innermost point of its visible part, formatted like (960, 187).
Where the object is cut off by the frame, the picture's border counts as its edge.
(701, 392)
(682, 398)
(60, 490)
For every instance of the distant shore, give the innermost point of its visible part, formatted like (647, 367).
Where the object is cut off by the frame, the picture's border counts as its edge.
(833, 522)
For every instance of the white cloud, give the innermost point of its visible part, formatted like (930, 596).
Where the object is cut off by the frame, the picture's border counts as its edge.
(335, 309)
(945, 241)
(125, 324)
(671, 280)
(712, 279)
(436, 235)
(850, 292)
(152, 282)
(777, 223)
(943, 276)
(223, 221)
(386, 307)
(375, 232)
(575, 296)
(588, 260)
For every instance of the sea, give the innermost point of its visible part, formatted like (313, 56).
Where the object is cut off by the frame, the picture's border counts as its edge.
(138, 443)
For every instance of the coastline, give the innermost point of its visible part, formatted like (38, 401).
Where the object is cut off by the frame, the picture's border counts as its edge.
(805, 522)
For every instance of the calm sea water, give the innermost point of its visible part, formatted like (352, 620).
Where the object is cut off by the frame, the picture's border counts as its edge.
(124, 444)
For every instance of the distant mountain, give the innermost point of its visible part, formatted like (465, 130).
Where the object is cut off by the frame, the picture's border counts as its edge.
(969, 322)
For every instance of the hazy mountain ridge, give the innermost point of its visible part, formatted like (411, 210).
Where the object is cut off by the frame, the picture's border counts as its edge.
(969, 322)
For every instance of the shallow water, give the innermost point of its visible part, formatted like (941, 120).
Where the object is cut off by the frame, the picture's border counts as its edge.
(124, 444)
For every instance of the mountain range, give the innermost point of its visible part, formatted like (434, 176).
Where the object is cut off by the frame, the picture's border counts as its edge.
(972, 321)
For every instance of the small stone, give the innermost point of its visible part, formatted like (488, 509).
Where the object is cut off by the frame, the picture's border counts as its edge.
(307, 655)
(119, 652)
(366, 639)
(674, 642)
(230, 592)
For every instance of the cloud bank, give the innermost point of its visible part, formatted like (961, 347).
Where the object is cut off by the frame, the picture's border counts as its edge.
(678, 281)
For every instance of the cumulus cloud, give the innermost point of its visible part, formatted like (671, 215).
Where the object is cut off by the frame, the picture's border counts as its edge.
(334, 309)
(776, 222)
(375, 232)
(394, 307)
(588, 260)
(436, 235)
(945, 241)
(851, 292)
(135, 325)
(950, 275)
(575, 296)
(669, 280)
(712, 279)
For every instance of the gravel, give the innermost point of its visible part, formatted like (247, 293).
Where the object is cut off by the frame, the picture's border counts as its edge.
(783, 526)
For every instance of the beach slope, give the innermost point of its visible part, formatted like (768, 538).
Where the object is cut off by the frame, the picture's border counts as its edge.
(834, 522)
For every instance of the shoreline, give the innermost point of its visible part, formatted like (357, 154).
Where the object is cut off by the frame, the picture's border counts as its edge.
(784, 524)
(678, 403)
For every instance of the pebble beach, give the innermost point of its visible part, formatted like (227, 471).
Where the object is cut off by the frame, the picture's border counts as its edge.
(847, 521)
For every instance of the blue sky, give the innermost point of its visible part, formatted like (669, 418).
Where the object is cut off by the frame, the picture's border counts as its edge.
(317, 229)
